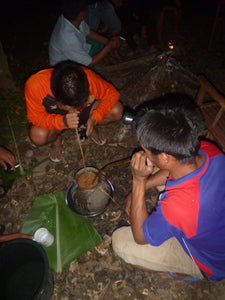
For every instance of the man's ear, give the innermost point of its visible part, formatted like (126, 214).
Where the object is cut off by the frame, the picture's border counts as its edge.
(164, 158)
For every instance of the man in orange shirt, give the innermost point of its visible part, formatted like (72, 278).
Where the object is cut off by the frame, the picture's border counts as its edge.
(69, 96)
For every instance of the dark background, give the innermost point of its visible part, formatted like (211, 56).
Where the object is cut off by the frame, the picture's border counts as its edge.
(25, 28)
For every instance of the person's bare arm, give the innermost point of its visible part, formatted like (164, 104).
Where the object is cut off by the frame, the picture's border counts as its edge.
(157, 179)
(141, 168)
(90, 125)
(111, 44)
(95, 36)
(13, 236)
(138, 213)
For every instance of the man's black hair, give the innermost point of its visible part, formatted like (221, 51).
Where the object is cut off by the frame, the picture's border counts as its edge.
(172, 125)
(69, 84)
(72, 8)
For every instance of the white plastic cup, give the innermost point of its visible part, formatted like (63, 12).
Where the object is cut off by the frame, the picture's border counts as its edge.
(43, 237)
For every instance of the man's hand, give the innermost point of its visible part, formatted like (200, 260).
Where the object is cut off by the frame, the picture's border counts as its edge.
(113, 43)
(71, 119)
(6, 157)
(141, 166)
(90, 125)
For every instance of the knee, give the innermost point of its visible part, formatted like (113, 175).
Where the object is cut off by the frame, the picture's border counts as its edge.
(39, 136)
(119, 240)
(116, 242)
(117, 111)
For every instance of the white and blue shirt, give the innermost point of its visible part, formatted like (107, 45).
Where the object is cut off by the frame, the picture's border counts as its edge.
(69, 43)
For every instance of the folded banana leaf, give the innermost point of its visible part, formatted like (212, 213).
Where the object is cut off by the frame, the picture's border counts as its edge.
(73, 234)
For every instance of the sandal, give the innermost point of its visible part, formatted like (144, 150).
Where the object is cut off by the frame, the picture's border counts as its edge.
(97, 139)
(183, 279)
(56, 156)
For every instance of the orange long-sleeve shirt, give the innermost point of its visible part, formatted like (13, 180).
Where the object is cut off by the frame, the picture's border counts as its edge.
(37, 88)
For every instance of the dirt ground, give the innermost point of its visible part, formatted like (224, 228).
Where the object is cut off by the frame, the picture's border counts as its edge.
(99, 274)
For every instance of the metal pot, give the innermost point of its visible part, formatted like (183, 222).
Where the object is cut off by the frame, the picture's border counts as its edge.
(89, 202)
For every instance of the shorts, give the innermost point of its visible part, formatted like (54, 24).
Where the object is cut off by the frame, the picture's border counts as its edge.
(103, 11)
(168, 257)
(85, 113)
(95, 47)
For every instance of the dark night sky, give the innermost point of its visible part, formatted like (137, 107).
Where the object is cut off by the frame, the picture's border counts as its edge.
(17, 15)
(26, 25)
(25, 8)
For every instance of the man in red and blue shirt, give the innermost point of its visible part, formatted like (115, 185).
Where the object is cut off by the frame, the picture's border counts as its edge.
(186, 232)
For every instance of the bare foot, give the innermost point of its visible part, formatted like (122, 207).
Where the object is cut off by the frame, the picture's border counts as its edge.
(97, 137)
(56, 150)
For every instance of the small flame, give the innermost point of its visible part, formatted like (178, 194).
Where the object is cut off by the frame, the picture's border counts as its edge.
(171, 46)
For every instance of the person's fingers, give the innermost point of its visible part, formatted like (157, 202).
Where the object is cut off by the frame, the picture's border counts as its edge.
(72, 120)
(138, 158)
(3, 165)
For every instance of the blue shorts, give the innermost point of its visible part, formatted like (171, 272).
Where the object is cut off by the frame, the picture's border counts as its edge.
(84, 115)
(103, 11)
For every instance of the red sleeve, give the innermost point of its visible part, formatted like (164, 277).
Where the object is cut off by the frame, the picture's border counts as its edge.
(104, 91)
(36, 89)
(210, 149)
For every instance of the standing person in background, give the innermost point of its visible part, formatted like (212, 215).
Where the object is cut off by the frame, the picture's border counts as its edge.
(103, 11)
(69, 37)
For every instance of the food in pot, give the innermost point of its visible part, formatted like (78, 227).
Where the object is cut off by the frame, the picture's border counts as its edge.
(87, 180)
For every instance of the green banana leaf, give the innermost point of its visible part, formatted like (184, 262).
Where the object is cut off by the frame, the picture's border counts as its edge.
(73, 234)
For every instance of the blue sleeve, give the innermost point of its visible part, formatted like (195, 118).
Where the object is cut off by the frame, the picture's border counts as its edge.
(156, 228)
